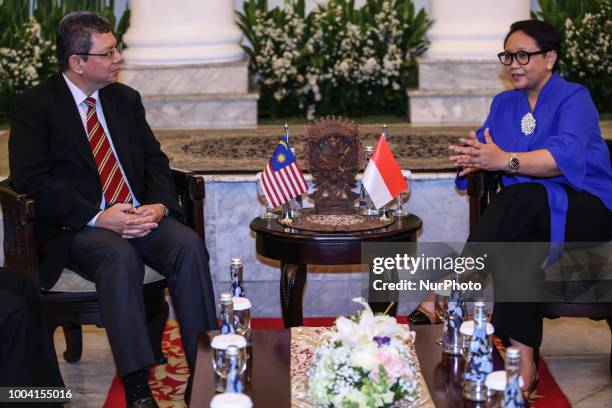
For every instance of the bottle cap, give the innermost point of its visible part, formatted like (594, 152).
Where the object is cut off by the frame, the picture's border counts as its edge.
(369, 149)
(225, 297)
(241, 303)
(497, 381)
(467, 328)
(223, 341)
(236, 260)
(231, 400)
(513, 352)
(231, 351)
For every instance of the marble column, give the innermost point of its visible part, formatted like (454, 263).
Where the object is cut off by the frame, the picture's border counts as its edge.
(460, 73)
(184, 57)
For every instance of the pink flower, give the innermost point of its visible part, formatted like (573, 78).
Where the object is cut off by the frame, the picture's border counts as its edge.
(391, 361)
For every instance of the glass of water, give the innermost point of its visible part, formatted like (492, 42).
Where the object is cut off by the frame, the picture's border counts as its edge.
(403, 196)
(219, 344)
(242, 317)
(262, 197)
(441, 308)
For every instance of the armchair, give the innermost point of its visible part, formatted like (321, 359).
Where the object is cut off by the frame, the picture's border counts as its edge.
(72, 302)
(482, 187)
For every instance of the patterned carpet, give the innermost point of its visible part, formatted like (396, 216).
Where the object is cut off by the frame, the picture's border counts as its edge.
(422, 148)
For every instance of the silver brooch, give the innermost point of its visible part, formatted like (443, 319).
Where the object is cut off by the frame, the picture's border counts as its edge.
(528, 124)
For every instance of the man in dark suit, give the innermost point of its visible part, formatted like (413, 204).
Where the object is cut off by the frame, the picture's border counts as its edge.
(105, 200)
(27, 356)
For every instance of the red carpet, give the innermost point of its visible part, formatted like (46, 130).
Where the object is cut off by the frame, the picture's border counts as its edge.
(168, 381)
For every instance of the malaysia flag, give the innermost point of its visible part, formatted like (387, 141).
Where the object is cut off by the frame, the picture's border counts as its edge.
(282, 179)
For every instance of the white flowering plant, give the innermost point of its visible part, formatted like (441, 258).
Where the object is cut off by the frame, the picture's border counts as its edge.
(588, 53)
(27, 40)
(586, 58)
(303, 62)
(24, 65)
(366, 362)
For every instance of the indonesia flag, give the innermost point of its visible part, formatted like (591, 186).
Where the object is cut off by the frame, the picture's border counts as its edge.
(383, 178)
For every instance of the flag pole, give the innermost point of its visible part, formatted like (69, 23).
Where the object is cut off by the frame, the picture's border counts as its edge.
(384, 217)
(287, 132)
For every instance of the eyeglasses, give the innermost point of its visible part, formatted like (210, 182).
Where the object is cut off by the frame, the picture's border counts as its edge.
(108, 54)
(522, 57)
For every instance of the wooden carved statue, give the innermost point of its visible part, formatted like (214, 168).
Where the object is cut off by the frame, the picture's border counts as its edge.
(334, 154)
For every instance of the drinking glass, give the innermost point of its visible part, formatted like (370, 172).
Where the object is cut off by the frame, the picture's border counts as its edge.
(219, 344)
(441, 308)
(262, 198)
(403, 197)
(242, 317)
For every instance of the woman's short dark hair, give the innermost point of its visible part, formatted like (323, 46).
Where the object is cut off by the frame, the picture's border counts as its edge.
(74, 34)
(546, 36)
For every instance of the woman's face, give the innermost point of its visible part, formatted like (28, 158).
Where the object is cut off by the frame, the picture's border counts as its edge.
(534, 74)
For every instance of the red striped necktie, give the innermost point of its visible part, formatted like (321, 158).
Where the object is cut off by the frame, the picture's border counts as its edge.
(114, 184)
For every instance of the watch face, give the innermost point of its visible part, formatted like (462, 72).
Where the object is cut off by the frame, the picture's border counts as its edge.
(514, 163)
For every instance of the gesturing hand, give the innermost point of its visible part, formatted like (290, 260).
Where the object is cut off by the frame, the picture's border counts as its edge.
(477, 156)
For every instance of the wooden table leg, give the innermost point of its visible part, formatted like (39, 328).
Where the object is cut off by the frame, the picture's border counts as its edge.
(293, 278)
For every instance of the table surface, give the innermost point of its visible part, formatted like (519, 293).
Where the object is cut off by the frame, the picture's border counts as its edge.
(273, 228)
(270, 382)
(300, 247)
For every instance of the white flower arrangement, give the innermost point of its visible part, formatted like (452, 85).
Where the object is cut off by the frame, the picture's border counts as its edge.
(302, 62)
(588, 55)
(366, 362)
(22, 67)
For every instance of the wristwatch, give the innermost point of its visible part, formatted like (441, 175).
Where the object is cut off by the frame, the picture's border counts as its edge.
(514, 163)
(166, 210)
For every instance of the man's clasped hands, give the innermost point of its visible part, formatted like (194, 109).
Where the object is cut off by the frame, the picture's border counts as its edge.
(129, 221)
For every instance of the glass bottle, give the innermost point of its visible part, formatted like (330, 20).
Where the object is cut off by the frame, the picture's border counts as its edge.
(480, 361)
(236, 271)
(456, 314)
(234, 369)
(366, 206)
(227, 313)
(513, 397)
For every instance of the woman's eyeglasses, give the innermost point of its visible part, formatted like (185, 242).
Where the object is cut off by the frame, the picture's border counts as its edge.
(522, 57)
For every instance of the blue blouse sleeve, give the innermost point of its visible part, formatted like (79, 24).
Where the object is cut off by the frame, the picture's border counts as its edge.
(577, 117)
(461, 182)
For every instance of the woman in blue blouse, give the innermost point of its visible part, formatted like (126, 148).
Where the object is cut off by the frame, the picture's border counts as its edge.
(543, 138)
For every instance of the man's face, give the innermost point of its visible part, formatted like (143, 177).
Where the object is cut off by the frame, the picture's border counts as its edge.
(99, 71)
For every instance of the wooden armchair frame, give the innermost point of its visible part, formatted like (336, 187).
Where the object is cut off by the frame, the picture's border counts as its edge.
(70, 310)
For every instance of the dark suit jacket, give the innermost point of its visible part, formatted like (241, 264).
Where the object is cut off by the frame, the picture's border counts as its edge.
(51, 161)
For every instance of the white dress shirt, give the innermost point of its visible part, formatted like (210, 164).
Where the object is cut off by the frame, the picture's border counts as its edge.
(79, 99)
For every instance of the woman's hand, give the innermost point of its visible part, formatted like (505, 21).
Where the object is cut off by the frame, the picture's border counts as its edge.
(479, 156)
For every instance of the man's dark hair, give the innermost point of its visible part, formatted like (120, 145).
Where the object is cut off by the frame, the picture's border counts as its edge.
(546, 36)
(74, 34)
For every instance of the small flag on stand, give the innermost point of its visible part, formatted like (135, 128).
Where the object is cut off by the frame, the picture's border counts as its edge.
(282, 179)
(383, 178)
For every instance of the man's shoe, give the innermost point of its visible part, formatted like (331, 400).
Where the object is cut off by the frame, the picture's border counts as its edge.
(148, 402)
(188, 390)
